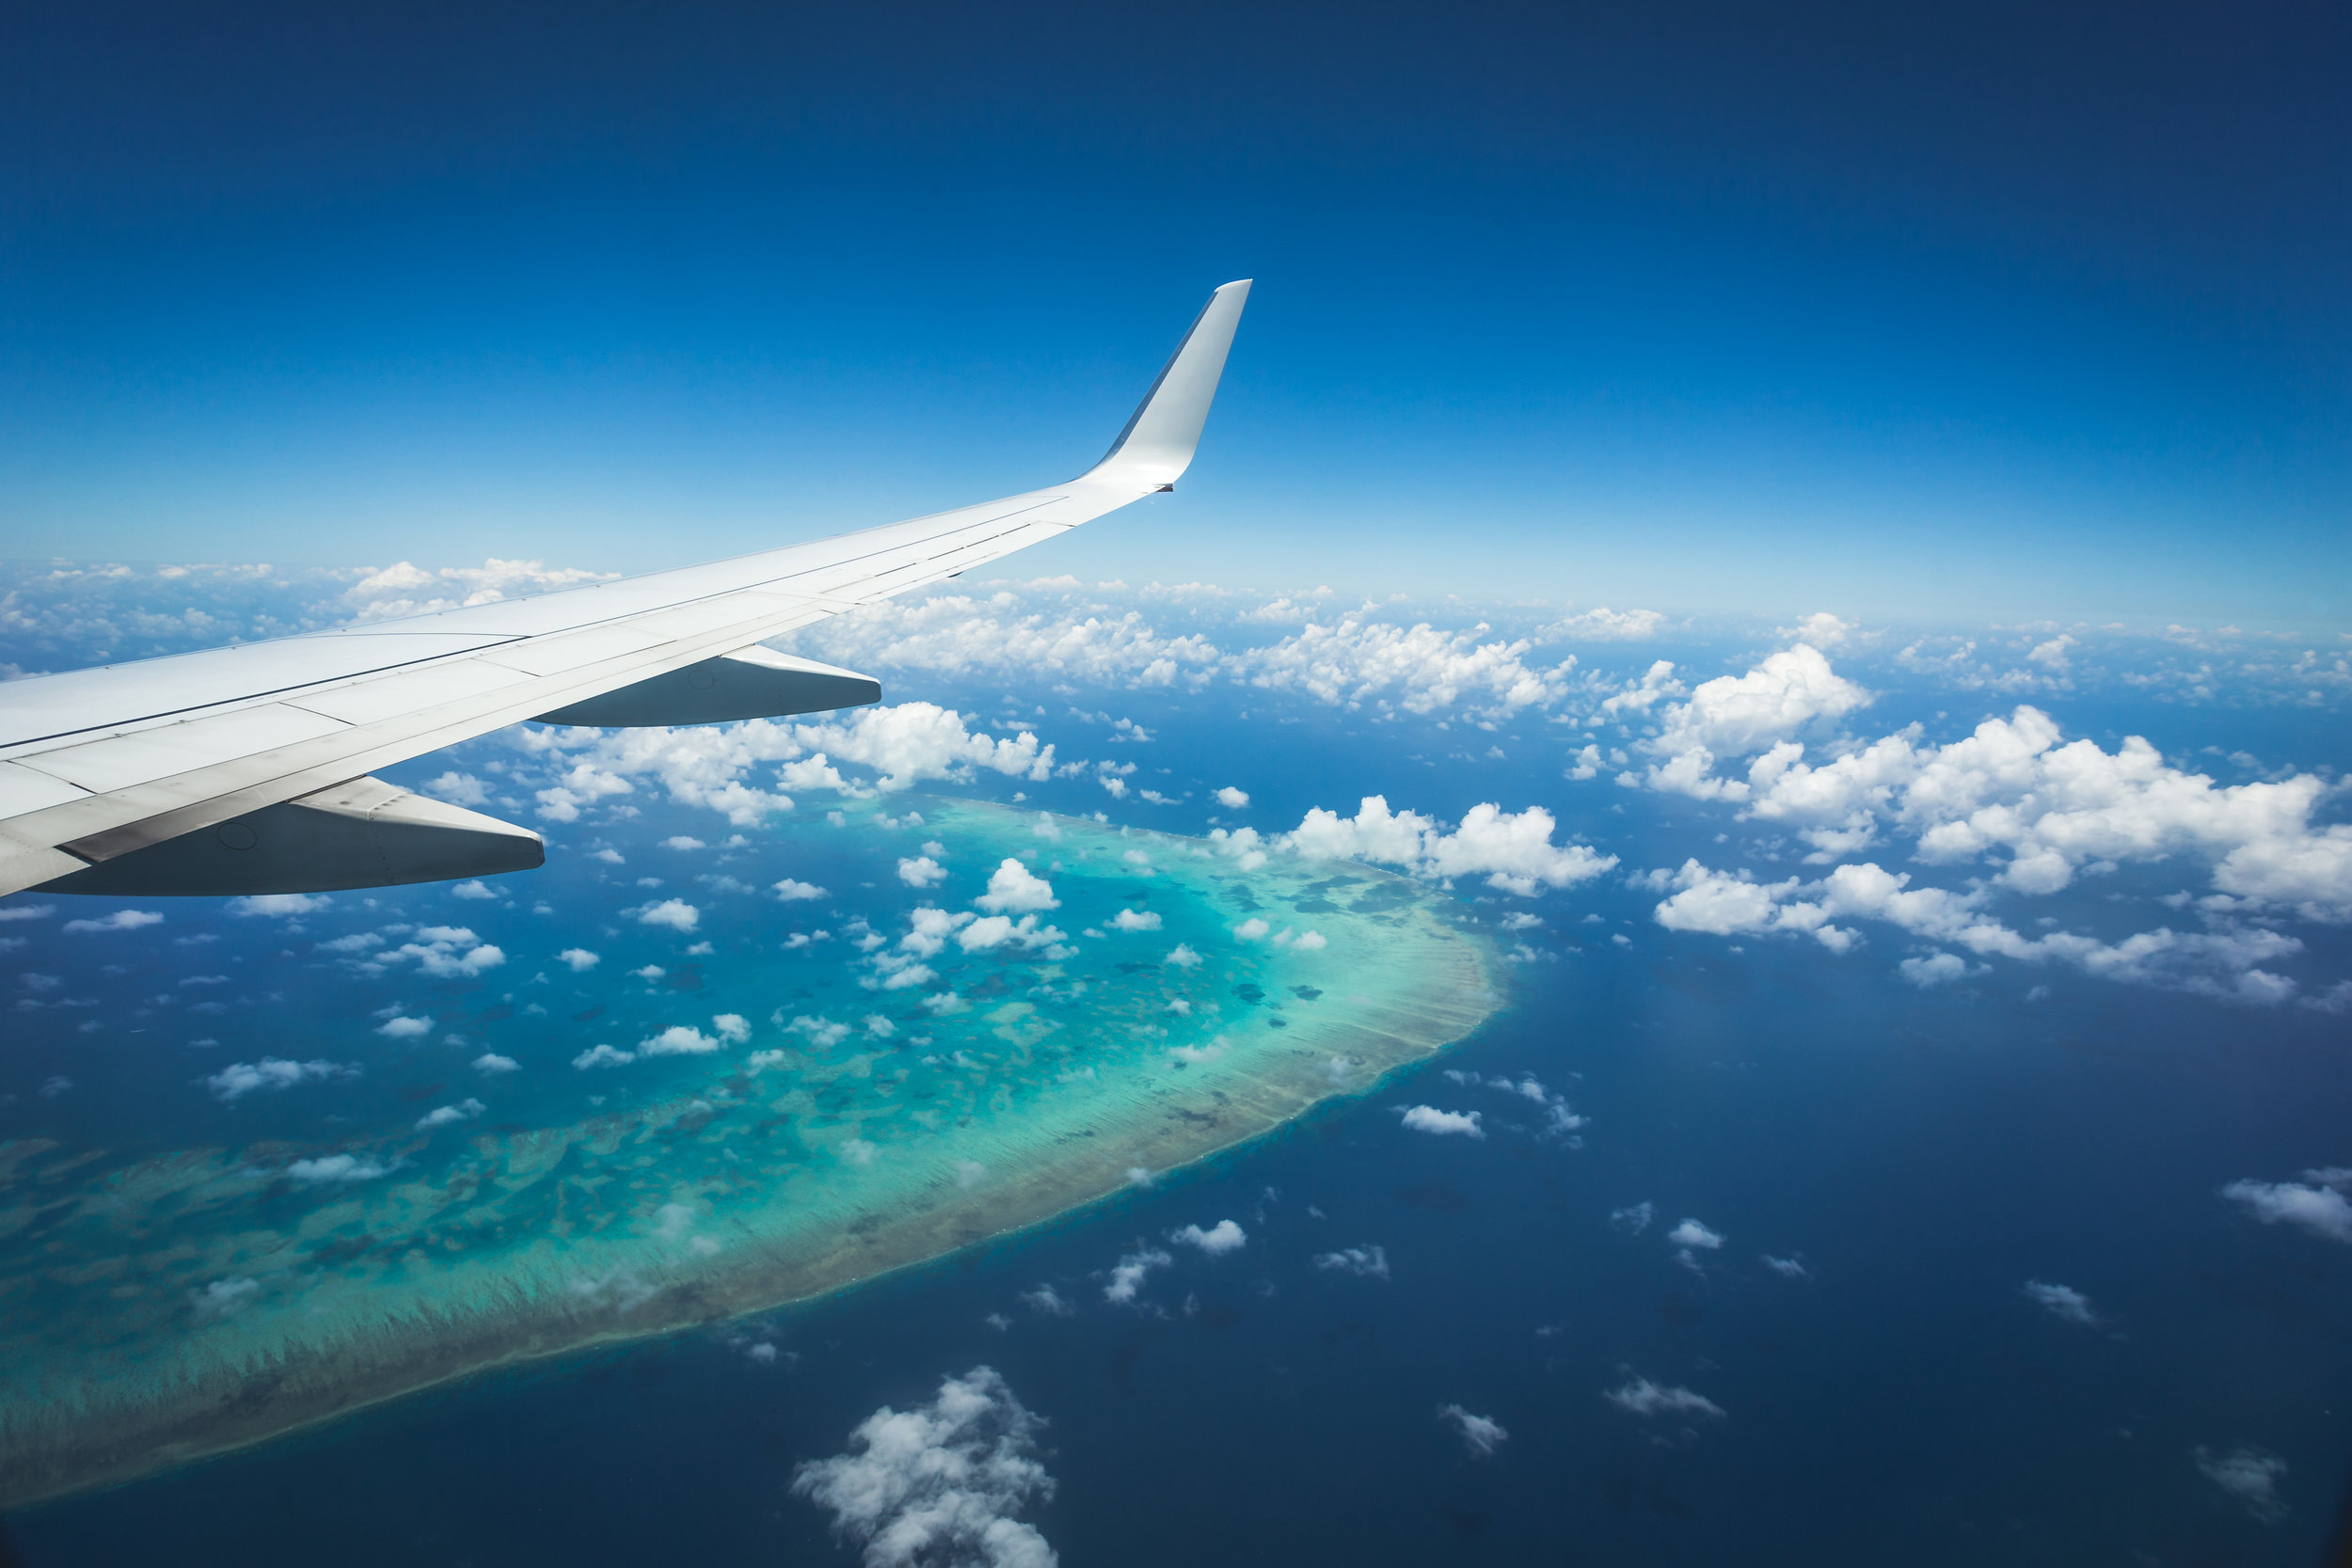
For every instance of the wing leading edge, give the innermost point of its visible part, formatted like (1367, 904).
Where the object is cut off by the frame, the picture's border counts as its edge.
(100, 765)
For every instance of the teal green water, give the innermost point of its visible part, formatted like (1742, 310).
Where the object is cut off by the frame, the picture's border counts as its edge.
(201, 1299)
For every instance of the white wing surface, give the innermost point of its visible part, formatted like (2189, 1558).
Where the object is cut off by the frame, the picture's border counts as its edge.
(267, 745)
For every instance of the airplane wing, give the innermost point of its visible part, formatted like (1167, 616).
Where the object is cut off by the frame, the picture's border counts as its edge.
(245, 769)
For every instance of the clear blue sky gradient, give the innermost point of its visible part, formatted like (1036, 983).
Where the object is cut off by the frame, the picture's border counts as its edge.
(2004, 311)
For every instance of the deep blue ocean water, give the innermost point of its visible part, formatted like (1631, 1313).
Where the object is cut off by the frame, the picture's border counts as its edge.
(1906, 1400)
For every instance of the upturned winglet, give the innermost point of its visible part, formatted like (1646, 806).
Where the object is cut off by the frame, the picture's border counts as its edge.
(1157, 445)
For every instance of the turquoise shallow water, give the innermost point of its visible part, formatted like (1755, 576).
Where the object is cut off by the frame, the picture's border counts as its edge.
(927, 1075)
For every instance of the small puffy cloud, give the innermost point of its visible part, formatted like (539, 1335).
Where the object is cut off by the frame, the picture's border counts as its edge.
(580, 960)
(1127, 1275)
(797, 893)
(1481, 1435)
(1220, 1239)
(1788, 1268)
(444, 953)
(2317, 1205)
(121, 919)
(444, 1116)
(1639, 1396)
(402, 1027)
(277, 905)
(239, 1079)
(603, 1055)
(1369, 1262)
(676, 914)
(336, 1167)
(922, 871)
(12, 912)
(1013, 888)
(491, 1063)
(683, 841)
(2053, 652)
(1182, 957)
(942, 1483)
(996, 930)
(1513, 851)
(477, 889)
(1935, 969)
(1691, 1233)
(2061, 1301)
(929, 928)
(1048, 1302)
(1821, 629)
(1428, 1118)
(1252, 929)
(1232, 799)
(2251, 1476)
(1136, 920)
(821, 1033)
(1633, 1218)
(734, 1028)
(1307, 941)
(458, 789)
(679, 1040)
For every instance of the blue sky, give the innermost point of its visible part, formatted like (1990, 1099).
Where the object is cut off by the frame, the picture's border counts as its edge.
(2003, 313)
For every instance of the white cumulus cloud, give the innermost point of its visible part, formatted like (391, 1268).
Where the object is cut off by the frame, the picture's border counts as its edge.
(1012, 887)
(1127, 1275)
(1369, 1262)
(2316, 1204)
(2061, 1301)
(674, 913)
(1221, 1238)
(1428, 1118)
(1513, 851)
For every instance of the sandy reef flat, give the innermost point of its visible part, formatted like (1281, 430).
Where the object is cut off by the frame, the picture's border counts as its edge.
(196, 1301)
